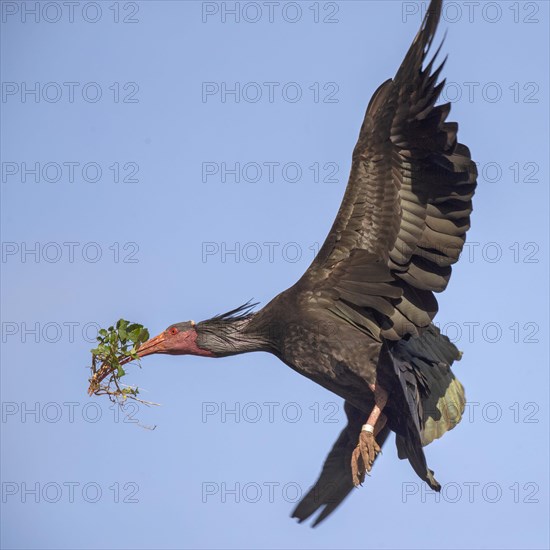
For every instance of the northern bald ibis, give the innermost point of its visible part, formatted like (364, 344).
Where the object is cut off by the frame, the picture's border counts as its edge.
(359, 321)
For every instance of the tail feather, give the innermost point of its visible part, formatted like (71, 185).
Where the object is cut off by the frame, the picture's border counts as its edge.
(433, 354)
(408, 448)
(434, 396)
(443, 410)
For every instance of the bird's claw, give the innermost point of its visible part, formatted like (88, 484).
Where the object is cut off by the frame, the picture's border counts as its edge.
(363, 457)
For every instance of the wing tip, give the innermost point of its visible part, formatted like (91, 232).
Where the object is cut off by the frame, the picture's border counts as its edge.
(430, 23)
(422, 42)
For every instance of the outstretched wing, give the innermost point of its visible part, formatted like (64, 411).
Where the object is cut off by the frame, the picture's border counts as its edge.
(406, 209)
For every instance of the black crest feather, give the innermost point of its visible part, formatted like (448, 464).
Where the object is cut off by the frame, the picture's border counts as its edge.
(224, 334)
(242, 312)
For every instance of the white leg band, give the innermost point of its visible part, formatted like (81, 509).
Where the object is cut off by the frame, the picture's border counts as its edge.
(368, 428)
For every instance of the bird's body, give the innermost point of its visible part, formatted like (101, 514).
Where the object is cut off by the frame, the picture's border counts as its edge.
(319, 346)
(359, 321)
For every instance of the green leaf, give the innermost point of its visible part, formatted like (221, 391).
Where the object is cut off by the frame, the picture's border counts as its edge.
(134, 335)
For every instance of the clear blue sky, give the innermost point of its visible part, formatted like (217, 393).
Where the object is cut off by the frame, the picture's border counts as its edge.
(157, 250)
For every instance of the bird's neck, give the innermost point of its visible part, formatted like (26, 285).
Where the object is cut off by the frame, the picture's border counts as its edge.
(230, 337)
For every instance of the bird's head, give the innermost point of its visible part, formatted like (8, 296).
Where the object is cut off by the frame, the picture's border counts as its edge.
(219, 336)
(177, 339)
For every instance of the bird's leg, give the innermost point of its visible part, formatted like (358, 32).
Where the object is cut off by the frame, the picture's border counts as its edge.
(364, 454)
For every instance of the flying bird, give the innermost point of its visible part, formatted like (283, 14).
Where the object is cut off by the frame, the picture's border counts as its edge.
(359, 321)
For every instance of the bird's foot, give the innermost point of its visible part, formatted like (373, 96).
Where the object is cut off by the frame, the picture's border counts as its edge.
(363, 456)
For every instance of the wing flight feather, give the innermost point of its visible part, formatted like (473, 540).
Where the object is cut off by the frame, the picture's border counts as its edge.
(404, 216)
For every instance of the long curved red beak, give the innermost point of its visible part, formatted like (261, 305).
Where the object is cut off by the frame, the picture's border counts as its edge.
(154, 345)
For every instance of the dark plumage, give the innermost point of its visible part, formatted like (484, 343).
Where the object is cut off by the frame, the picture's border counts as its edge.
(359, 321)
